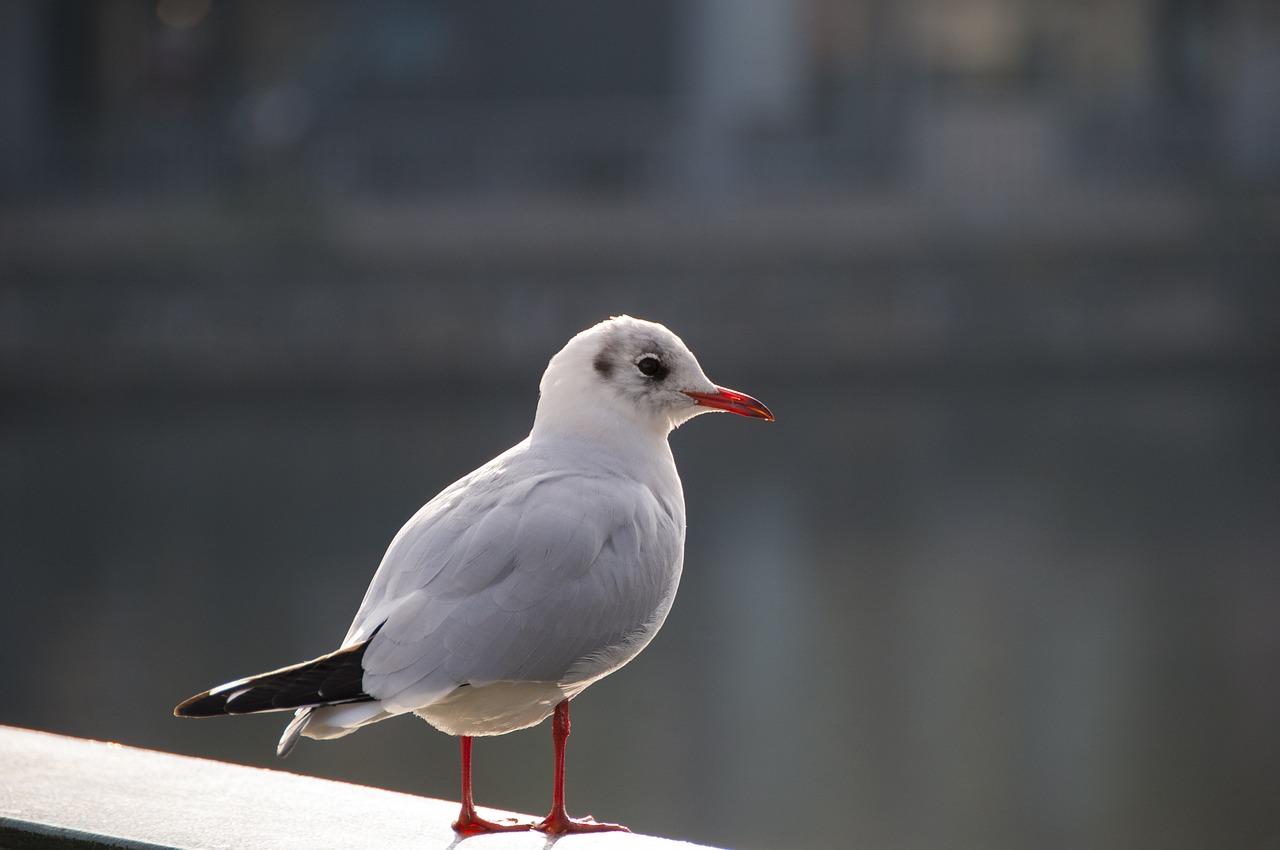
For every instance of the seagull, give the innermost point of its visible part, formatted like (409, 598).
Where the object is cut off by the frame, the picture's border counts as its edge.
(520, 584)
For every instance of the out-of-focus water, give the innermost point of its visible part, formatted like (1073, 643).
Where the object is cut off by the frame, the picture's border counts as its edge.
(988, 613)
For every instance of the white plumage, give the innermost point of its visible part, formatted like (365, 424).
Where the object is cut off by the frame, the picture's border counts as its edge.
(537, 574)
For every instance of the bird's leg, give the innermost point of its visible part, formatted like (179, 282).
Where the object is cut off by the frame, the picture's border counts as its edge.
(468, 822)
(559, 822)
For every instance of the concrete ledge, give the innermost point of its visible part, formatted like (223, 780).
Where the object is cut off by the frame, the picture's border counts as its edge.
(64, 793)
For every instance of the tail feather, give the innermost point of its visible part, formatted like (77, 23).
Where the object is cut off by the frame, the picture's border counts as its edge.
(332, 679)
(289, 739)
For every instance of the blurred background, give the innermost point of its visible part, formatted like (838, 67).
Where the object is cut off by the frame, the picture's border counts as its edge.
(1005, 573)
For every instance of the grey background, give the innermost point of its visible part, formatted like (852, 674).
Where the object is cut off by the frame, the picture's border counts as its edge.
(1002, 574)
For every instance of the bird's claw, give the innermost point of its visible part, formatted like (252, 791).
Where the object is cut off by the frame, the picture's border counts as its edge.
(561, 824)
(473, 824)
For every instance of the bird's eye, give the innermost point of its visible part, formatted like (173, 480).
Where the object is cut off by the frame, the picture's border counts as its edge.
(651, 367)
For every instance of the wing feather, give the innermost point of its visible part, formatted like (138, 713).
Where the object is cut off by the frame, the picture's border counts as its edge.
(517, 574)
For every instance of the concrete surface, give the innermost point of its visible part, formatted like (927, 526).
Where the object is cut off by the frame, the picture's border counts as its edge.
(60, 792)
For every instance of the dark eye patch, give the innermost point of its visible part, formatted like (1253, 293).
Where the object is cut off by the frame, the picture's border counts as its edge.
(603, 364)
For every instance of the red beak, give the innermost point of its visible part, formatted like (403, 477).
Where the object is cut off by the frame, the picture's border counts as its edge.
(734, 402)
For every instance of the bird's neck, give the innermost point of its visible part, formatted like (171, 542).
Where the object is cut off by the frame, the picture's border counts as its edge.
(641, 450)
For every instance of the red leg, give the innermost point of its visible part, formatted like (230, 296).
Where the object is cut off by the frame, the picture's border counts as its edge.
(468, 822)
(559, 822)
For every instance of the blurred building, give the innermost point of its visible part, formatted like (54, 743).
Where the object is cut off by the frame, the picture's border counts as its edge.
(863, 152)
(700, 97)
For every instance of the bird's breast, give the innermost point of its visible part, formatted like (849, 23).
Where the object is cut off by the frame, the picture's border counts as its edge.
(494, 709)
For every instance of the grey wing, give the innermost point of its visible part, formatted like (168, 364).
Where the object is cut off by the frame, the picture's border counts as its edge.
(520, 582)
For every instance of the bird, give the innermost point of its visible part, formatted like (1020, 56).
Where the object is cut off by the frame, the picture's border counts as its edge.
(518, 586)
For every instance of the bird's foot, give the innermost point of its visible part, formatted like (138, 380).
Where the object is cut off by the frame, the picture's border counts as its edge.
(559, 823)
(470, 823)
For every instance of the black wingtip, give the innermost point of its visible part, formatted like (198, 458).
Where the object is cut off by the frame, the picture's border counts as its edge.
(332, 679)
(201, 705)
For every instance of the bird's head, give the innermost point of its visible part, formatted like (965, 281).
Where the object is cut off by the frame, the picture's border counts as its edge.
(638, 369)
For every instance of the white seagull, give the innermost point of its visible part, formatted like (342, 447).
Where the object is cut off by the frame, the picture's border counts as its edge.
(519, 585)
